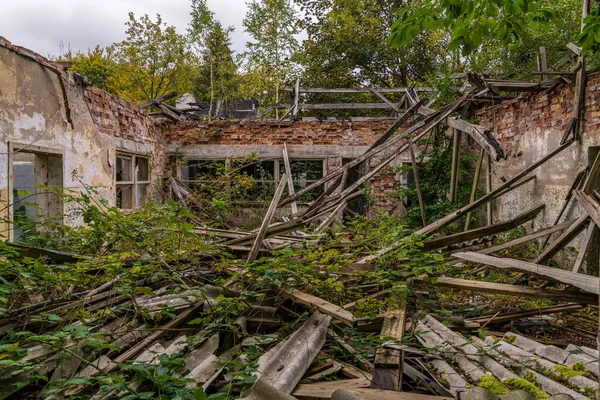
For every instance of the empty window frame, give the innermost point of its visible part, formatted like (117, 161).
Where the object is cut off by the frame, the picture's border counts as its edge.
(196, 174)
(132, 179)
(305, 173)
(32, 202)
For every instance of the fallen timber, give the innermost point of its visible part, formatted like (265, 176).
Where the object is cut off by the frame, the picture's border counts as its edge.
(590, 284)
(296, 334)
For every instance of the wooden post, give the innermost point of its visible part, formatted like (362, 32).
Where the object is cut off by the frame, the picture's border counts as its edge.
(455, 166)
(542, 63)
(580, 81)
(475, 184)
(584, 247)
(489, 187)
(296, 99)
(417, 183)
(290, 181)
(267, 220)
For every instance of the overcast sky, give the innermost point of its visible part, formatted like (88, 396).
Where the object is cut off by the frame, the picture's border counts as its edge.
(41, 25)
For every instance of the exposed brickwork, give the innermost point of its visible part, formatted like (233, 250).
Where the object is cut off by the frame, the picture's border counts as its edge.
(542, 111)
(119, 118)
(339, 133)
(336, 133)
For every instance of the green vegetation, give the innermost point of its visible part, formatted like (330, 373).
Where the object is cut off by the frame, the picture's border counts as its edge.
(563, 373)
(492, 384)
(510, 339)
(526, 385)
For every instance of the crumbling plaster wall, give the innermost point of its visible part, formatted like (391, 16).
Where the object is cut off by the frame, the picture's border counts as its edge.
(33, 110)
(528, 130)
(329, 140)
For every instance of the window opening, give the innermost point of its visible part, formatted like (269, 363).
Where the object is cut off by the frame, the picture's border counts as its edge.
(132, 178)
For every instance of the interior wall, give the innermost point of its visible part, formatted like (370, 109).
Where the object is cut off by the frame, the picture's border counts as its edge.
(532, 127)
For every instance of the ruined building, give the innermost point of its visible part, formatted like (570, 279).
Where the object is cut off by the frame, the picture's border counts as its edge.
(58, 132)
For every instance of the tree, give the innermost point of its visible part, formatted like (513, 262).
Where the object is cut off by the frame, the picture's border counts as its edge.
(469, 22)
(348, 46)
(500, 35)
(97, 65)
(154, 58)
(272, 24)
(218, 78)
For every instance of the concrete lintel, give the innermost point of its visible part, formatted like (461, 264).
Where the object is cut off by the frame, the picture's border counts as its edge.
(274, 151)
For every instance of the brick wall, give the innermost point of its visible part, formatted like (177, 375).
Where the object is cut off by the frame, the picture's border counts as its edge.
(299, 133)
(340, 133)
(532, 127)
(119, 118)
(542, 111)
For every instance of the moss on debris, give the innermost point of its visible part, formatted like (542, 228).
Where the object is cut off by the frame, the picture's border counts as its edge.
(563, 373)
(524, 384)
(492, 384)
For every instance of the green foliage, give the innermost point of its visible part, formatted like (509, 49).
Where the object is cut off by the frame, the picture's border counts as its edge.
(97, 65)
(218, 78)
(272, 24)
(470, 22)
(153, 60)
(434, 174)
(510, 339)
(589, 39)
(347, 47)
(500, 35)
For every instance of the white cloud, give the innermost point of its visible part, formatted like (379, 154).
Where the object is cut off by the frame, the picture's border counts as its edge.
(42, 25)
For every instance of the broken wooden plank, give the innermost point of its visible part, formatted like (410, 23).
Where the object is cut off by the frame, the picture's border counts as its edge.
(542, 63)
(129, 354)
(586, 283)
(454, 174)
(388, 362)
(478, 133)
(589, 204)
(401, 121)
(488, 187)
(511, 316)
(360, 90)
(325, 307)
(584, 247)
(455, 215)
(574, 48)
(342, 106)
(290, 181)
(331, 217)
(474, 185)
(509, 290)
(508, 185)
(526, 238)
(417, 183)
(419, 129)
(260, 236)
(360, 359)
(569, 234)
(158, 100)
(387, 101)
(483, 231)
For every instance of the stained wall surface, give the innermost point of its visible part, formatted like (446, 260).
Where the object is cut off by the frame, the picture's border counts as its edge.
(33, 118)
(532, 127)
